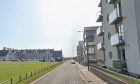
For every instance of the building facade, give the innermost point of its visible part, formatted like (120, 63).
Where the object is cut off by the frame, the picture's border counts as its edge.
(120, 21)
(31, 55)
(89, 43)
(80, 49)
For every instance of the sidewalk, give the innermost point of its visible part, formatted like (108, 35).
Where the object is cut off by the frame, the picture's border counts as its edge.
(89, 77)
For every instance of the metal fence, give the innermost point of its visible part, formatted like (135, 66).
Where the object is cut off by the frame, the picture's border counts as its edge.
(19, 78)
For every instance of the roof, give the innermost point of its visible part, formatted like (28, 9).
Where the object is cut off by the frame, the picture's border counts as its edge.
(3, 52)
(94, 28)
(30, 51)
(50, 50)
(41, 51)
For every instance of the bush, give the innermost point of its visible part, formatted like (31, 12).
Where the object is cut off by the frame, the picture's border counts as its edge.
(117, 64)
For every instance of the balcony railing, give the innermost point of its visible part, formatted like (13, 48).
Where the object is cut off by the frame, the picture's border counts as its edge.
(111, 1)
(115, 16)
(99, 16)
(120, 64)
(100, 46)
(91, 50)
(117, 39)
(100, 31)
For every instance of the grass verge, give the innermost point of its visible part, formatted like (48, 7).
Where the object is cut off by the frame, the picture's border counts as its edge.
(29, 80)
(24, 72)
(125, 78)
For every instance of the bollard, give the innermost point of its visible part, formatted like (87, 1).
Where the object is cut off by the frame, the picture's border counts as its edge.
(35, 72)
(20, 78)
(26, 75)
(41, 69)
(11, 81)
(31, 73)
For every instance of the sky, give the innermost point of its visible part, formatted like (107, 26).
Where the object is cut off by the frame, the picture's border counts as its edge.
(43, 24)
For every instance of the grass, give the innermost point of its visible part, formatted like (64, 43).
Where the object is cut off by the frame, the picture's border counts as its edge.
(14, 69)
(125, 78)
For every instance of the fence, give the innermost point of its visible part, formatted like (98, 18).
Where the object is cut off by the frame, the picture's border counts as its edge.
(25, 76)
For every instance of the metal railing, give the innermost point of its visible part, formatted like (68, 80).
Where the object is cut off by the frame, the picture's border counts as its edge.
(22, 77)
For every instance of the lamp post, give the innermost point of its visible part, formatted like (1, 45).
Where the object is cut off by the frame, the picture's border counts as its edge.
(86, 52)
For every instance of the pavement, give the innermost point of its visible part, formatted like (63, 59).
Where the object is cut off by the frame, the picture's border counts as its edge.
(69, 73)
(90, 77)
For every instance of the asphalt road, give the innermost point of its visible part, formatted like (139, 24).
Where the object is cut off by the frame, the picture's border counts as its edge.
(65, 74)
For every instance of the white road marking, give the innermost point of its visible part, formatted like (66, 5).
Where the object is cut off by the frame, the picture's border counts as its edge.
(72, 82)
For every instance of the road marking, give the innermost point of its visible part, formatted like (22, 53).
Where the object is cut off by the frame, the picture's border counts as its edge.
(82, 75)
(72, 82)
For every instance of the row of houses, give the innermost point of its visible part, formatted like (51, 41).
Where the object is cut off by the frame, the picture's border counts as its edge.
(116, 43)
(32, 54)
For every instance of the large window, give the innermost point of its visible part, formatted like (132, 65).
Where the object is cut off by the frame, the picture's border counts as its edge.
(91, 50)
(89, 34)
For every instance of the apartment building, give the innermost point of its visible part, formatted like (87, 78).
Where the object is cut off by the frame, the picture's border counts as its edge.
(89, 44)
(120, 22)
(80, 49)
(99, 48)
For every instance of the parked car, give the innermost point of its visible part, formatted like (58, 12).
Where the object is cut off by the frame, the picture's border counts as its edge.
(72, 62)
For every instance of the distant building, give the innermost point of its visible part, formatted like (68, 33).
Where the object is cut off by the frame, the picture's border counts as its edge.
(32, 54)
(80, 51)
(6, 55)
(89, 44)
(58, 56)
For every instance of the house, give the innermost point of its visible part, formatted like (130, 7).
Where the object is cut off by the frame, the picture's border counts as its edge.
(6, 55)
(58, 55)
(45, 54)
(31, 54)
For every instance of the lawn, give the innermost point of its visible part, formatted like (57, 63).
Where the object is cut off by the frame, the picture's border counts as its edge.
(14, 69)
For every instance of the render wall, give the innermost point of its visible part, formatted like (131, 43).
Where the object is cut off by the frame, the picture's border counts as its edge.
(131, 34)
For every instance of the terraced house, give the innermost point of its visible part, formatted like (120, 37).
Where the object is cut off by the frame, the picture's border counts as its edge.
(120, 21)
(31, 54)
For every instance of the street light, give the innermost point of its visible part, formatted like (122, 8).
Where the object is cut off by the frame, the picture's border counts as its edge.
(87, 51)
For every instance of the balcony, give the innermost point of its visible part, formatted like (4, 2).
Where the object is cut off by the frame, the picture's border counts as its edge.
(100, 31)
(99, 16)
(100, 46)
(100, 3)
(111, 1)
(117, 39)
(115, 16)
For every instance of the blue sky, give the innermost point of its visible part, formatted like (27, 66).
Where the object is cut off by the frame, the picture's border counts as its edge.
(29, 24)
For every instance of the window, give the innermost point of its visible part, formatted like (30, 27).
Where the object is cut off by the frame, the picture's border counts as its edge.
(109, 35)
(106, 1)
(110, 55)
(89, 34)
(107, 17)
(91, 50)
(120, 30)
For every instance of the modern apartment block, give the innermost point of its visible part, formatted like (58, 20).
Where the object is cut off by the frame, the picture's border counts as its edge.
(80, 49)
(99, 48)
(89, 44)
(120, 21)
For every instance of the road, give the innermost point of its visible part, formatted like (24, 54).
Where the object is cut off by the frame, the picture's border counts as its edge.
(65, 74)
